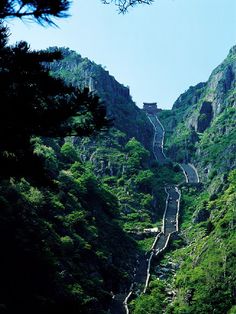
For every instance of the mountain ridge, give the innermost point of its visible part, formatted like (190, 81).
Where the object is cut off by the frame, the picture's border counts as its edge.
(81, 72)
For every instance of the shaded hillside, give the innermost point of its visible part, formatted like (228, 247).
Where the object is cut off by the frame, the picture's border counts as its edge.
(57, 251)
(66, 239)
(81, 72)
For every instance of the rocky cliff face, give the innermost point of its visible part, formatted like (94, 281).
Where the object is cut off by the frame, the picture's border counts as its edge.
(190, 97)
(205, 116)
(222, 83)
(202, 124)
(127, 116)
(206, 101)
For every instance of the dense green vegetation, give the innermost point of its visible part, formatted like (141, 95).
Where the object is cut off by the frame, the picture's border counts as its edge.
(218, 143)
(56, 217)
(205, 259)
(57, 252)
(152, 303)
(75, 198)
(126, 168)
(205, 282)
(63, 246)
(68, 202)
(70, 235)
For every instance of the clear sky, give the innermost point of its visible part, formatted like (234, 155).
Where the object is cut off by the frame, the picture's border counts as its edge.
(158, 50)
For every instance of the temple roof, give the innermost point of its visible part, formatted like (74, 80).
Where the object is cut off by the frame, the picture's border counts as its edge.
(149, 104)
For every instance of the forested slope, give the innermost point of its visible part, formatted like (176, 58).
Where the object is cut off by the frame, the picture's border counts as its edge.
(67, 220)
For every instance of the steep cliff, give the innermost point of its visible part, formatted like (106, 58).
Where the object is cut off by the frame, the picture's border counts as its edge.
(201, 125)
(82, 72)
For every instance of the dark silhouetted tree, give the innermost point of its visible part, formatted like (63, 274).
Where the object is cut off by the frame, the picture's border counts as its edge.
(124, 5)
(34, 103)
(43, 11)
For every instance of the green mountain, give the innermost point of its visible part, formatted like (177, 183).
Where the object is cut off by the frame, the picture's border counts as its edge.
(199, 271)
(81, 72)
(201, 125)
(71, 243)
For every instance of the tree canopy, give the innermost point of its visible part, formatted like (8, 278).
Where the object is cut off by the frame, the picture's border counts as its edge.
(44, 11)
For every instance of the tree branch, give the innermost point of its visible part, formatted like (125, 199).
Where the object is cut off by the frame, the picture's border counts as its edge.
(124, 5)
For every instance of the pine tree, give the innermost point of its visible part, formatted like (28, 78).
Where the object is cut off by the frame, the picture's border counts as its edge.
(35, 104)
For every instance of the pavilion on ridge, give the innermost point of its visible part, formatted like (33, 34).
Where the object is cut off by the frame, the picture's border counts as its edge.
(150, 107)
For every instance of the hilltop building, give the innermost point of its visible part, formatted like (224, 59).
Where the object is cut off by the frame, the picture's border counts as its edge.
(150, 108)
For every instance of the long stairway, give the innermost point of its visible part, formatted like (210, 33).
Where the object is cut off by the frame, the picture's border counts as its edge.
(190, 173)
(169, 225)
(171, 215)
(158, 139)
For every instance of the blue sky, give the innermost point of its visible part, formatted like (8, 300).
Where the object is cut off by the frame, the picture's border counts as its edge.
(158, 50)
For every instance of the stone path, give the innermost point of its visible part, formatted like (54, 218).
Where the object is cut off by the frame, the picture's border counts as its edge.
(170, 223)
(190, 173)
(158, 140)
